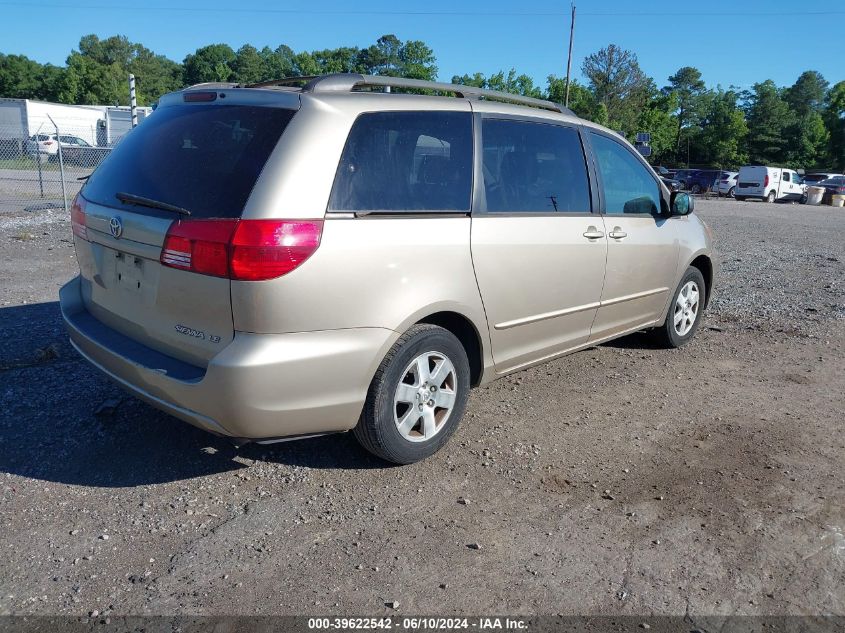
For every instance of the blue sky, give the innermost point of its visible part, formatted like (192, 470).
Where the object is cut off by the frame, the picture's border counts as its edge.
(731, 42)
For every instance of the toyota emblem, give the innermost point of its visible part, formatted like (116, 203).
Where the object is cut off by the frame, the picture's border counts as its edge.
(116, 226)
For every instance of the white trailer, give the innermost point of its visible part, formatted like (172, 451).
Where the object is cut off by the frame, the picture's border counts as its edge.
(116, 122)
(21, 118)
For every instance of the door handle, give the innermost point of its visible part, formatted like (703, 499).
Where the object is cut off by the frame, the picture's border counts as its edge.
(617, 233)
(592, 233)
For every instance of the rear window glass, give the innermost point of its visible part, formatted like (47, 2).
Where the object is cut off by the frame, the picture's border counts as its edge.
(406, 161)
(203, 158)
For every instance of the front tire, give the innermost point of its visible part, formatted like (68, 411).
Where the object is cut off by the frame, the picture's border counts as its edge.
(417, 397)
(770, 197)
(685, 311)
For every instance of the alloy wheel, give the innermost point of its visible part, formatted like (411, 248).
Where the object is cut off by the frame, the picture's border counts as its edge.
(425, 396)
(686, 308)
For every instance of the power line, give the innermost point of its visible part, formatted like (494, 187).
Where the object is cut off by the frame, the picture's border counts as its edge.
(399, 12)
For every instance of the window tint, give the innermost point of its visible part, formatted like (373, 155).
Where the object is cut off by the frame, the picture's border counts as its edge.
(533, 167)
(628, 185)
(203, 158)
(406, 161)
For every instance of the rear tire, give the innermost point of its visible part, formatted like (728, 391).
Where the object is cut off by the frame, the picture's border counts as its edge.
(770, 197)
(731, 192)
(417, 397)
(685, 312)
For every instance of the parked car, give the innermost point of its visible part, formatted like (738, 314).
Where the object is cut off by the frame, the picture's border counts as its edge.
(816, 177)
(672, 184)
(835, 185)
(73, 147)
(769, 184)
(727, 183)
(703, 180)
(683, 176)
(45, 144)
(294, 262)
(77, 151)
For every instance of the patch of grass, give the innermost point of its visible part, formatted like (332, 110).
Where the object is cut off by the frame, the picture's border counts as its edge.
(26, 162)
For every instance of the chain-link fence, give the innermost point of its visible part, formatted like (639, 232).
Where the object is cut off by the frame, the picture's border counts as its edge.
(47, 169)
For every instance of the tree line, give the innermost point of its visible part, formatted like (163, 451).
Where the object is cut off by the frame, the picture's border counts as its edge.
(802, 125)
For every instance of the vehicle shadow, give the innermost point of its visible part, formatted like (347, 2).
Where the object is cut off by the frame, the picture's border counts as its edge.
(637, 340)
(64, 422)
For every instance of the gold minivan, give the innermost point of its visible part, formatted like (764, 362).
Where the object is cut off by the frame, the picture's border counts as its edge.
(291, 259)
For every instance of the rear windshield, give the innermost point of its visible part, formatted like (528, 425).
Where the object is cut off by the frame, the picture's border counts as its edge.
(205, 159)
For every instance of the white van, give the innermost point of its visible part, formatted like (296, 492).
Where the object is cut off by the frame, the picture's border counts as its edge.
(769, 184)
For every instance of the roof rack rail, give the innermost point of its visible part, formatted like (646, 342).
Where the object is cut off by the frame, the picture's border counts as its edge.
(285, 81)
(347, 82)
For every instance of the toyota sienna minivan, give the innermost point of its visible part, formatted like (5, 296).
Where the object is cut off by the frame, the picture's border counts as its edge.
(285, 260)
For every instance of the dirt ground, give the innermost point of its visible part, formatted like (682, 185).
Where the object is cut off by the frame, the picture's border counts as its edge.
(624, 479)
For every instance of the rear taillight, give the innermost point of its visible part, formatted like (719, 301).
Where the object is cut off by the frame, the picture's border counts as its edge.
(766, 181)
(245, 250)
(77, 218)
(47, 142)
(201, 246)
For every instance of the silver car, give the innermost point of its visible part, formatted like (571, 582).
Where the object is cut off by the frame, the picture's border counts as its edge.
(287, 260)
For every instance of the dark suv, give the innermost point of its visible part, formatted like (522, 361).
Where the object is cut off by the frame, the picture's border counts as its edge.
(703, 180)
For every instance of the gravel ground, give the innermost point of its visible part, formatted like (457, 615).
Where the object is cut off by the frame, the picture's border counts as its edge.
(620, 480)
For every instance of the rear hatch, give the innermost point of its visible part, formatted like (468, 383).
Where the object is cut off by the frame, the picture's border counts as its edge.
(200, 162)
(752, 179)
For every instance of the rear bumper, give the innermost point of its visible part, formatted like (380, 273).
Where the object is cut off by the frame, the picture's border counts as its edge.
(260, 386)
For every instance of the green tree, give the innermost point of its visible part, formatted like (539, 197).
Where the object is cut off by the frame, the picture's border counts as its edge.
(417, 61)
(834, 117)
(209, 63)
(277, 63)
(510, 82)
(51, 79)
(155, 75)
(90, 82)
(769, 117)
(337, 60)
(581, 100)
(305, 64)
(807, 93)
(809, 141)
(689, 87)
(618, 83)
(721, 137)
(20, 77)
(657, 118)
(247, 66)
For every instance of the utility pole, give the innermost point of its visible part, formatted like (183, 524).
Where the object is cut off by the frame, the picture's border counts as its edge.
(569, 60)
(133, 103)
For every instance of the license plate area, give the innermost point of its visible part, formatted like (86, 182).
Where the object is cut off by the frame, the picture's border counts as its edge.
(128, 272)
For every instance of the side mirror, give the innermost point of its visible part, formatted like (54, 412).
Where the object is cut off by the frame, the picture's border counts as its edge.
(682, 203)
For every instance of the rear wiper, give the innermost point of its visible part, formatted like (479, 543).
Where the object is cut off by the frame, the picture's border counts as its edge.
(131, 198)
